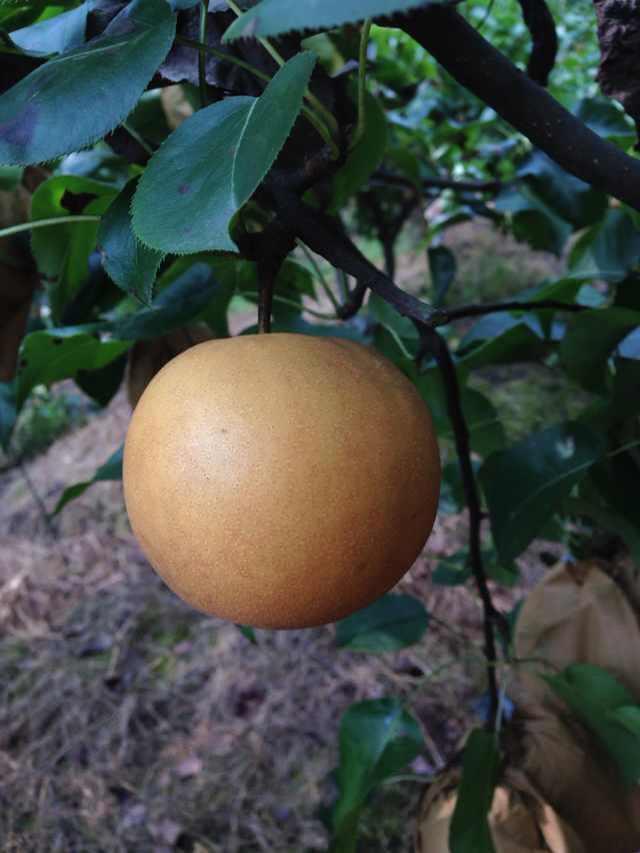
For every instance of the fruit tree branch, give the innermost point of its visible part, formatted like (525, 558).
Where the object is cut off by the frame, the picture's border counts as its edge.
(389, 229)
(442, 183)
(326, 238)
(492, 307)
(544, 47)
(354, 303)
(436, 345)
(493, 78)
(269, 250)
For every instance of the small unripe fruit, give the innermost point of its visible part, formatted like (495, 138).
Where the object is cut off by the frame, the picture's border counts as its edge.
(281, 480)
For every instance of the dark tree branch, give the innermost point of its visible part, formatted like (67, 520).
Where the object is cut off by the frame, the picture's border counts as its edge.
(440, 183)
(354, 302)
(492, 307)
(493, 78)
(269, 249)
(544, 47)
(266, 283)
(388, 230)
(436, 345)
(326, 238)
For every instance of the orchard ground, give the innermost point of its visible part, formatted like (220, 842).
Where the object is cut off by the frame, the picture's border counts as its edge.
(130, 722)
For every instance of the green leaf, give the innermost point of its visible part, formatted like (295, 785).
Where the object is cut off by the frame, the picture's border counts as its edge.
(611, 495)
(625, 395)
(248, 633)
(599, 511)
(602, 704)
(486, 431)
(110, 470)
(608, 250)
(275, 17)
(54, 354)
(590, 338)
(62, 251)
(183, 300)
(606, 118)
(505, 339)
(378, 737)
(629, 346)
(102, 384)
(526, 484)
(568, 197)
(365, 158)
(10, 177)
(453, 570)
(629, 717)
(8, 412)
(76, 98)
(451, 492)
(400, 328)
(485, 428)
(54, 35)
(469, 831)
(442, 267)
(292, 283)
(390, 623)
(532, 219)
(349, 331)
(130, 264)
(22, 13)
(561, 289)
(211, 165)
(149, 118)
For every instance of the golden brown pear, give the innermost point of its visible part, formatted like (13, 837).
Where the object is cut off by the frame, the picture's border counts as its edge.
(281, 480)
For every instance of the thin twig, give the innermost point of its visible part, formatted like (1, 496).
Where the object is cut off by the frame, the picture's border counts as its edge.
(450, 314)
(328, 240)
(544, 39)
(269, 249)
(623, 449)
(437, 346)
(320, 276)
(353, 304)
(45, 223)
(265, 300)
(223, 56)
(252, 294)
(442, 183)
(133, 133)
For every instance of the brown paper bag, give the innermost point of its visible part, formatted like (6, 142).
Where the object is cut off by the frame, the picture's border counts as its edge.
(577, 614)
(520, 820)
